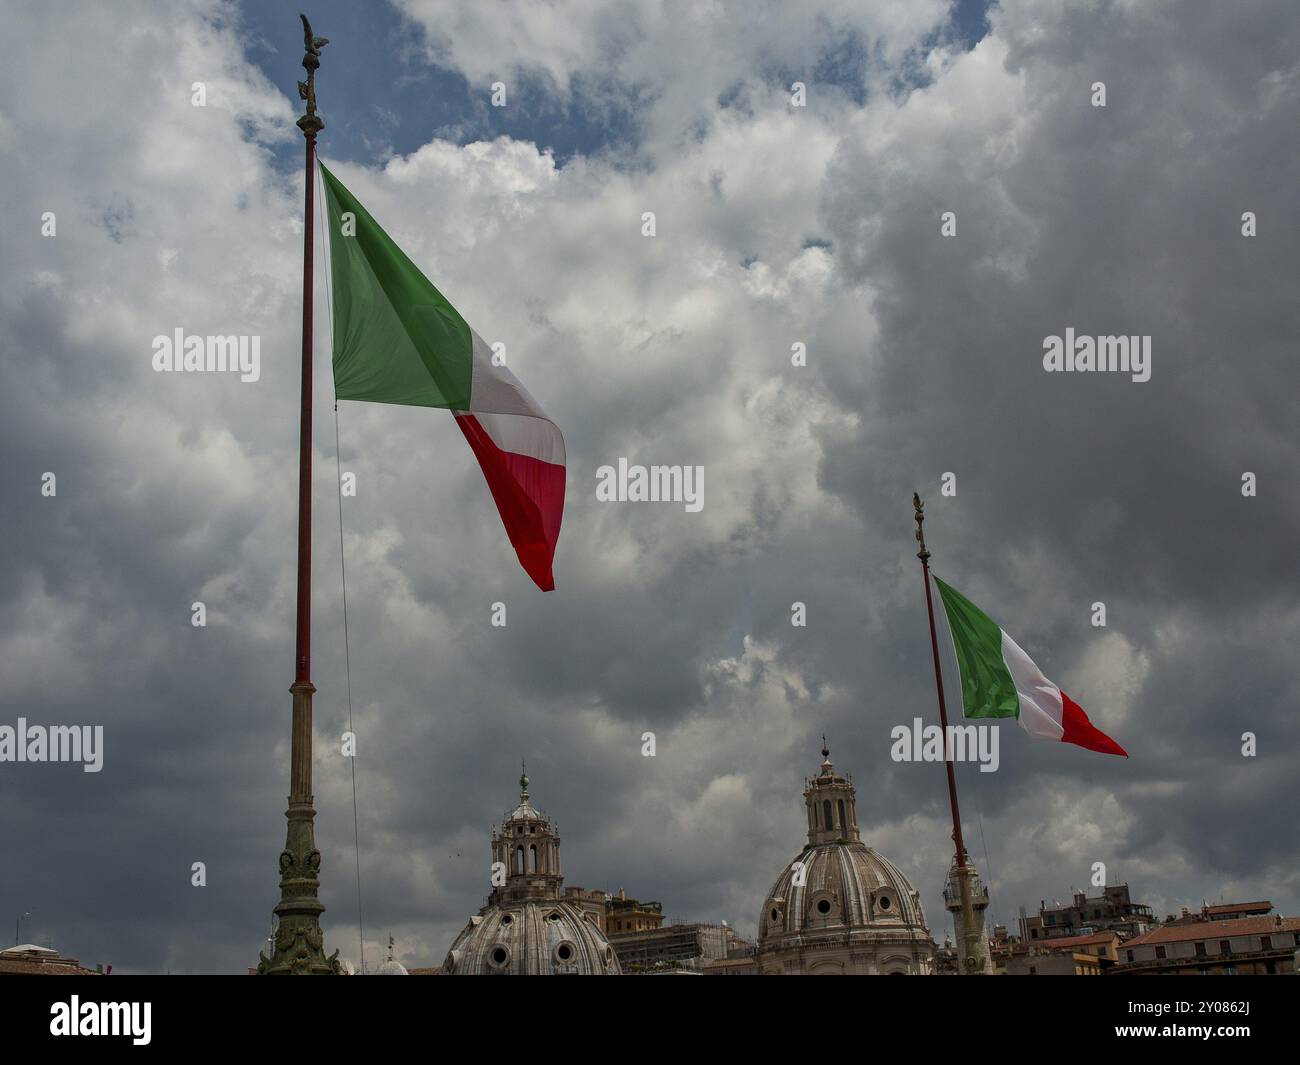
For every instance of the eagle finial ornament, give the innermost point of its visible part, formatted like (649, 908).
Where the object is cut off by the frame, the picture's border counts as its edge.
(310, 61)
(919, 513)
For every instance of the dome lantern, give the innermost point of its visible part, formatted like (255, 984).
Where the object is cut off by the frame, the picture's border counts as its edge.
(831, 802)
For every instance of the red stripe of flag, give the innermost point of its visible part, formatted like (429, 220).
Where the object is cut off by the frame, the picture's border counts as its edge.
(529, 495)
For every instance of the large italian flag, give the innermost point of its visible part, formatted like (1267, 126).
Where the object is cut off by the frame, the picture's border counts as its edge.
(999, 680)
(398, 340)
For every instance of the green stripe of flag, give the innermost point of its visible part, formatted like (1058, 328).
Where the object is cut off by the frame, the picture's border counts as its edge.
(396, 337)
(987, 689)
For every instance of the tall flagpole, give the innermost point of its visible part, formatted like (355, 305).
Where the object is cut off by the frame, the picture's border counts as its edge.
(299, 946)
(962, 872)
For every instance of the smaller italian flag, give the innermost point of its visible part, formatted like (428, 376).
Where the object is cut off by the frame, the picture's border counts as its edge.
(999, 680)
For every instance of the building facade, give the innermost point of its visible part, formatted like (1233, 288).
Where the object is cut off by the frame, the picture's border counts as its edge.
(1242, 946)
(625, 915)
(1112, 910)
(839, 907)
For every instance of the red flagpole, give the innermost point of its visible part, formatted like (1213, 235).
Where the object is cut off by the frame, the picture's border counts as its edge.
(970, 932)
(924, 556)
(302, 657)
(299, 945)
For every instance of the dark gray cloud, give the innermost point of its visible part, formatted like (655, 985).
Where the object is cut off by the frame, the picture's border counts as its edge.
(924, 357)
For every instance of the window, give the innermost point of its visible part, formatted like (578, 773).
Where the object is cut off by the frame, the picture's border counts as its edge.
(1225, 947)
(1200, 950)
(532, 854)
(1265, 942)
(824, 907)
(843, 822)
(826, 811)
(1130, 954)
(1160, 952)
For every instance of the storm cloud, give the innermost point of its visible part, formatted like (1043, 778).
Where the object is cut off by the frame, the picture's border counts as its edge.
(776, 225)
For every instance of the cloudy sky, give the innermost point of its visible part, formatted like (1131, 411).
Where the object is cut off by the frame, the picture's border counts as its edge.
(775, 225)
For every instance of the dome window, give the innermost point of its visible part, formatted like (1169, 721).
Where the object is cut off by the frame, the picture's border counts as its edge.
(775, 915)
(823, 906)
(884, 902)
(499, 957)
(506, 919)
(565, 953)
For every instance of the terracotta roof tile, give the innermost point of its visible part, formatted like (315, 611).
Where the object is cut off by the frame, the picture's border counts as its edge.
(1213, 930)
(1078, 941)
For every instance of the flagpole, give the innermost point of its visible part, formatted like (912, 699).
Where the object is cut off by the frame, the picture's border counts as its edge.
(969, 931)
(299, 946)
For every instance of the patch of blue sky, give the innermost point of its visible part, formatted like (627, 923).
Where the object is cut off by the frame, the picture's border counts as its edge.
(381, 95)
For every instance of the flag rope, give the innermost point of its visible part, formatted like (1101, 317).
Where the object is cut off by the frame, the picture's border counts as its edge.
(343, 577)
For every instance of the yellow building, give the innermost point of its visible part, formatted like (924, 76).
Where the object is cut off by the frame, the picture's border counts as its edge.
(624, 915)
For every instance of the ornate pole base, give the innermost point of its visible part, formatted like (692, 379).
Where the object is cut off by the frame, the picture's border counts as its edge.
(299, 948)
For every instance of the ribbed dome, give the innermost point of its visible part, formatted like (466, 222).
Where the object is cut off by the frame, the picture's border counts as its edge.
(839, 906)
(844, 885)
(531, 939)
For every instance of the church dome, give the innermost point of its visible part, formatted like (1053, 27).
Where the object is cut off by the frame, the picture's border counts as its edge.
(527, 927)
(391, 966)
(531, 939)
(840, 906)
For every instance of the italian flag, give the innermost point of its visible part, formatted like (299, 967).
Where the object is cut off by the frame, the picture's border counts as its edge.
(397, 339)
(999, 680)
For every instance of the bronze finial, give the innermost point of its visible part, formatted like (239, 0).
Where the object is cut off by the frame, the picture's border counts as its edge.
(309, 123)
(919, 508)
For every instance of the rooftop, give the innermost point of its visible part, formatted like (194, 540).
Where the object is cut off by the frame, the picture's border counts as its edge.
(1262, 906)
(1069, 942)
(1241, 926)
